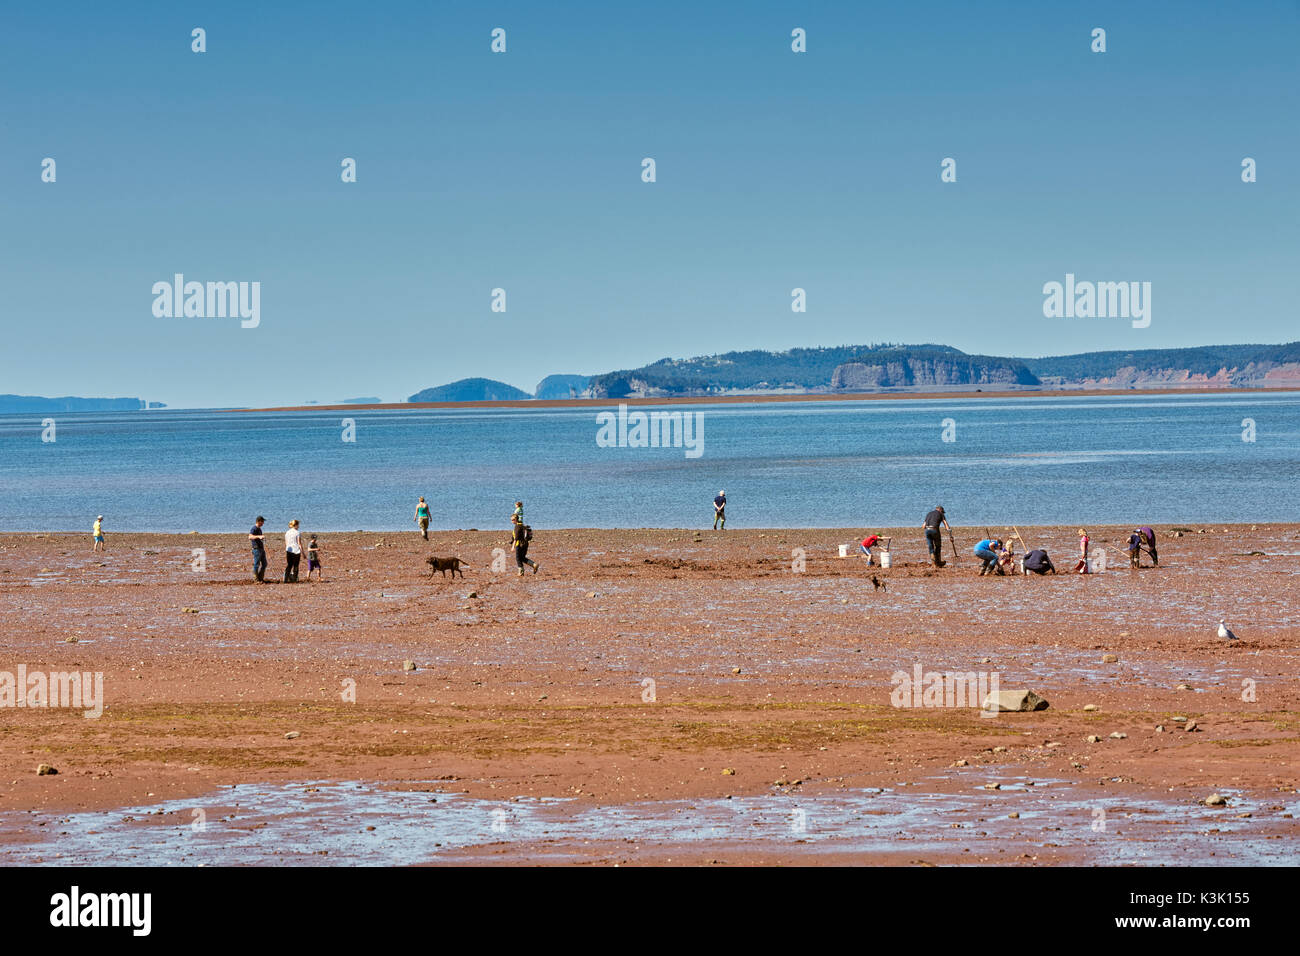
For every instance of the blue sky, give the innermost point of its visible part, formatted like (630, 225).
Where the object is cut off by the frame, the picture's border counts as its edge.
(522, 171)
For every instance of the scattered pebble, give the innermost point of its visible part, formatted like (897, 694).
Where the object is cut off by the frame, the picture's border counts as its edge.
(408, 665)
(728, 772)
(1094, 739)
(1116, 735)
(1014, 815)
(1215, 800)
(1110, 658)
(45, 770)
(1191, 726)
(292, 735)
(1090, 707)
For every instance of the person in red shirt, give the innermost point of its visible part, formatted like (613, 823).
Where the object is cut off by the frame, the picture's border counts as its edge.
(867, 544)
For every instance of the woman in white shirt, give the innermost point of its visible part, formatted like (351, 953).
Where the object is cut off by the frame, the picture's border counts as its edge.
(292, 553)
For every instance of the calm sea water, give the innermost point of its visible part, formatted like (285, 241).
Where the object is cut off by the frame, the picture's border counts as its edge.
(1158, 459)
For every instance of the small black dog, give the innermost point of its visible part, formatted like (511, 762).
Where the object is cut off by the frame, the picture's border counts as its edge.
(446, 564)
(878, 584)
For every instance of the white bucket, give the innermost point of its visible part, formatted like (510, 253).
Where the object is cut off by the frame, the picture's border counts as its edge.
(884, 559)
(844, 551)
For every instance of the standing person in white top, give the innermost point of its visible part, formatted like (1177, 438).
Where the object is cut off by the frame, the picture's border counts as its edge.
(292, 553)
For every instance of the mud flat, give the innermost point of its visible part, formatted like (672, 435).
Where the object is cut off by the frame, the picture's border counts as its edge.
(651, 696)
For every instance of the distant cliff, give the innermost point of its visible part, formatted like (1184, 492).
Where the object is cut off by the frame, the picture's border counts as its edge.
(908, 372)
(1240, 366)
(562, 386)
(842, 368)
(864, 368)
(22, 404)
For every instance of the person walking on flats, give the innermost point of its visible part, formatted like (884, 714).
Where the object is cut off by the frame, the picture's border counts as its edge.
(720, 510)
(520, 538)
(421, 518)
(98, 530)
(313, 560)
(292, 553)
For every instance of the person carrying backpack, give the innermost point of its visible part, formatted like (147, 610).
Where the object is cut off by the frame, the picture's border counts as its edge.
(521, 537)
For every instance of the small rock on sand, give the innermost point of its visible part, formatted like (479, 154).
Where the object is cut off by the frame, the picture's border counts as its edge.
(1090, 707)
(1215, 800)
(1190, 726)
(45, 770)
(1094, 739)
(408, 665)
(292, 735)
(1014, 700)
(961, 763)
(1184, 687)
(1014, 815)
(1116, 735)
(1110, 658)
(735, 670)
(472, 594)
(728, 772)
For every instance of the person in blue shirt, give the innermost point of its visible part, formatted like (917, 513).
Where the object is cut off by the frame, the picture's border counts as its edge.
(720, 510)
(988, 551)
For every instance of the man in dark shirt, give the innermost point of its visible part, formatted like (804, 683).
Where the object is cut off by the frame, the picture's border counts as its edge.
(259, 550)
(720, 510)
(933, 537)
(1037, 562)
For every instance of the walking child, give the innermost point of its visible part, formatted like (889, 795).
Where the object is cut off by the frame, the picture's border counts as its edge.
(313, 560)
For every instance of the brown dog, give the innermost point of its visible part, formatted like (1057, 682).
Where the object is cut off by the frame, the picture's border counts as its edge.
(878, 584)
(446, 564)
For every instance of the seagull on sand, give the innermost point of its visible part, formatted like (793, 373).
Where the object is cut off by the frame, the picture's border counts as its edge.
(1225, 633)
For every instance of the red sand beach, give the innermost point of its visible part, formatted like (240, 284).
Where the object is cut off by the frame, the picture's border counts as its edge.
(768, 683)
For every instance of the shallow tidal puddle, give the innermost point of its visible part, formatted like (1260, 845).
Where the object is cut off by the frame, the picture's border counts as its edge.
(355, 823)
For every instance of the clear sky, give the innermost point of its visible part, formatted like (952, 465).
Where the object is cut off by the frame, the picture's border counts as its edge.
(522, 171)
